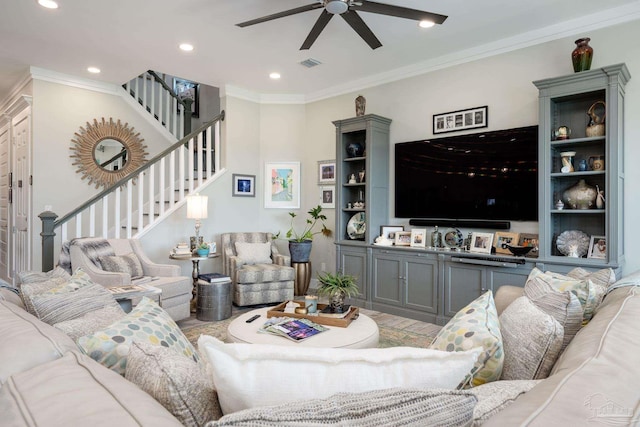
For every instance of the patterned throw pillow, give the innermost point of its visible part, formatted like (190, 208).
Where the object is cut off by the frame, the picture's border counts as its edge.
(178, 383)
(601, 278)
(129, 263)
(39, 276)
(476, 325)
(389, 407)
(254, 253)
(29, 290)
(90, 322)
(494, 397)
(147, 322)
(71, 300)
(562, 306)
(532, 341)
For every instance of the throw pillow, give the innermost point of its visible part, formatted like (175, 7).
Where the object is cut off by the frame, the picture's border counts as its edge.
(476, 325)
(28, 290)
(90, 322)
(562, 306)
(39, 276)
(532, 341)
(391, 407)
(71, 300)
(147, 322)
(601, 278)
(494, 397)
(178, 383)
(254, 253)
(129, 263)
(251, 375)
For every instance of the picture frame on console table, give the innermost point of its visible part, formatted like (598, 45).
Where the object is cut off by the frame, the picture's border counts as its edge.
(529, 239)
(418, 237)
(454, 121)
(481, 242)
(282, 185)
(389, 231)
(403, 238)
(503, 238)
(598, 247)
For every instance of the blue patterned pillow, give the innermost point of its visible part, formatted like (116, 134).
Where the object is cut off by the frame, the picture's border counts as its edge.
(147, 322)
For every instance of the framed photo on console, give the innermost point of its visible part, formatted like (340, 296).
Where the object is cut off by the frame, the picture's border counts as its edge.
(504, 238)
(418, 237)
(389, 231)
(453, 121)
(598, 247)
(403, 238)
(529, 239)
(481, 242)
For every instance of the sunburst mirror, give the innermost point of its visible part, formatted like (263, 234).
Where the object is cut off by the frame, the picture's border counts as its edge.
(105, 152)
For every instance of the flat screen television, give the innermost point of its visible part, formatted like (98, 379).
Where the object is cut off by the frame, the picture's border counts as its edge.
(480, 176)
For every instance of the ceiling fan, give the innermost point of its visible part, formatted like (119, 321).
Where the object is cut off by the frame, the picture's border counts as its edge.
(348, 9)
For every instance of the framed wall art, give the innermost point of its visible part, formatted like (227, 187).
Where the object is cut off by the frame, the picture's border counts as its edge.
(282, 185)
(327, 194)
(598, 247)
(326, 172)
(243, 185)
(186, 89)
(481, 242)
(403, 238)
(503, 238)
(453, 121)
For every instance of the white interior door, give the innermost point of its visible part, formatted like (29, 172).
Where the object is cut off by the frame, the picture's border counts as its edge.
(21, 191)
(5, 168)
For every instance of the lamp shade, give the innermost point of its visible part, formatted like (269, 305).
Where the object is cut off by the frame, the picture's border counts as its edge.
(197, 206)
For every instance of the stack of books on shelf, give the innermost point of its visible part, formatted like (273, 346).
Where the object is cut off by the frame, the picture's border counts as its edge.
(181, 249)
(296, 330)
(214, 278)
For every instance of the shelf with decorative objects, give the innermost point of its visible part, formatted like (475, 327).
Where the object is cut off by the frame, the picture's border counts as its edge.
(580, 167)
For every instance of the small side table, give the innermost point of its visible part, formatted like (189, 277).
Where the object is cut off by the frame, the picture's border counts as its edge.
(195, 260)
(214, 300)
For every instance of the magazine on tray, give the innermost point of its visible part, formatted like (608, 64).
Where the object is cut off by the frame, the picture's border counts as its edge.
(296, 330)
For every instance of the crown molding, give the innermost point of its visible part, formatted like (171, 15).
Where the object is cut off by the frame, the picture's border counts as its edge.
(15, 92)
(73, 81)
(248, 95)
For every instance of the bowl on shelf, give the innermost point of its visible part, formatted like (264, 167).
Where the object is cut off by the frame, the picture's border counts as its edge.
(519, 250)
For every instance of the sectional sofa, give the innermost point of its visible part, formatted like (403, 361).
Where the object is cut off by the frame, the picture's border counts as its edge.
(46, 381)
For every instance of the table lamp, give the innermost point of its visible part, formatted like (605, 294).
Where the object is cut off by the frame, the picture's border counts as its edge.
(197, 209)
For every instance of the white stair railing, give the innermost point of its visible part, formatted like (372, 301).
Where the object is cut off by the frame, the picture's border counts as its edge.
(136, 203)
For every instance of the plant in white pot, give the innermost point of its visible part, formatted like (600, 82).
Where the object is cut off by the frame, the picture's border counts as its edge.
(300, 239)
(337, 286)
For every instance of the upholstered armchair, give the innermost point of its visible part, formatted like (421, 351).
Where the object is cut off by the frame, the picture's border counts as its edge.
(90, 255)
(260, 274)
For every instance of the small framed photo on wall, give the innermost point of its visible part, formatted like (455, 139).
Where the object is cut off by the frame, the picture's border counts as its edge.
(481, 242)
(418, 237)
(328, 197)
(502, 239)
(243, 185)
(326, 172)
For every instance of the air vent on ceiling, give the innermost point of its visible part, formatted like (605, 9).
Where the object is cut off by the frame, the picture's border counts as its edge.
(310, 62)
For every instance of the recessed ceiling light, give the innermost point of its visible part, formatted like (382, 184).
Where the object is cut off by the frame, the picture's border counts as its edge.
(93, 70)
(274, 76)
(426, 24)
(49, 4)
(186, 47)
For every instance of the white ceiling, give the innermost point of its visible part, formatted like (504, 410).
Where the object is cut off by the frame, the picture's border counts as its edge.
(124, 38)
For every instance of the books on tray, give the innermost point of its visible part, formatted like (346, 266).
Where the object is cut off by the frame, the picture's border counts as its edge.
(326, 312)
(214, 277)
(296, 330)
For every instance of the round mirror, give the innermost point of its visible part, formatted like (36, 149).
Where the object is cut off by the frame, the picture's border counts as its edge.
(110, 154)
(105, 152)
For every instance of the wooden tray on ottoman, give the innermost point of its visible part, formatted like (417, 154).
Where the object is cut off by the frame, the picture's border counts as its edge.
(342, 322)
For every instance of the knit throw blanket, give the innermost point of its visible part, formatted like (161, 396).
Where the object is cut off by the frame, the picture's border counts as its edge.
(93, 248)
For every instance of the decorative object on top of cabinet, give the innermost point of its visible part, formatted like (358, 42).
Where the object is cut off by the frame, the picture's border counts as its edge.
(357, 226)
(597, 113)
(529, 240)
(573, 243)
(403, 238)
(519, 250)
(582, 55)
(418, 237)
(453, 238)
(383, 241)
(563, 132)
(567, 161)
(580, 196)
(361, 104)
(454, 121)
(481, 242)
(389, 231)
(326, 172)
(598, 247)
(504, 238)
(436, 238)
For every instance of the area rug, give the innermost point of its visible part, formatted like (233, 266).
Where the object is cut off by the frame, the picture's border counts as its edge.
(389, 336)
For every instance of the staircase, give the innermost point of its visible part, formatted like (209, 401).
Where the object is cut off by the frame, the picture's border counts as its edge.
(134, 205)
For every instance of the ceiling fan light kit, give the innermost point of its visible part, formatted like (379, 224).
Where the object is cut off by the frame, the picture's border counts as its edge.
(348, 10)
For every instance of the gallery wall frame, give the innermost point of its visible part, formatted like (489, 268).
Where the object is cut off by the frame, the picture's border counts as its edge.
(326, 172)
(282, 185)
(243, 185)
(185, 89)
(453, 121)
(327, 197)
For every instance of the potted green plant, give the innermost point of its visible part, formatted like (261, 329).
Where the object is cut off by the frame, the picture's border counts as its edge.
(337, 286)
(300, 239)
(203, 249)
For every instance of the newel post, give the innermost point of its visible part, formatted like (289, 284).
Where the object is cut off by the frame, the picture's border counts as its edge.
(48, 218)
(188, 112)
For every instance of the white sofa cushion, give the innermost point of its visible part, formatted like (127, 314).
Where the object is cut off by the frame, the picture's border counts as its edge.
(250, 375)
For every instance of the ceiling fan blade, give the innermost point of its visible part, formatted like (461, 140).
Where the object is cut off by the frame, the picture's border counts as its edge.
(322, 22)
(398, 11)
(282, 14)
(354, 20)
